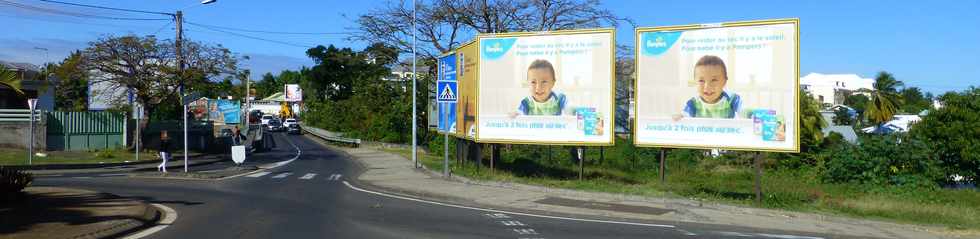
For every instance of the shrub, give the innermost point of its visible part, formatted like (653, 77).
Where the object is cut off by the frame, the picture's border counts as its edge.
(953, 130)
(882, 160)
(13, 181)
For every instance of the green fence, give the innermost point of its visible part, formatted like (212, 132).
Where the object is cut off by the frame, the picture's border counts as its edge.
(85, 130)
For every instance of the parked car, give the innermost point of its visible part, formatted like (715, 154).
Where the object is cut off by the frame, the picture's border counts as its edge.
(266, 118)
(274, 125)
(294, 129)
(289, 122)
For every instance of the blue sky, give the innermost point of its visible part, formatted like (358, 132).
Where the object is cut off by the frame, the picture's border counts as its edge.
(931, 45)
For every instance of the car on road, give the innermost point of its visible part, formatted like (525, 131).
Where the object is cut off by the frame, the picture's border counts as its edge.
(294, 129)
(266, 118)
(289, 122)
(274, 125)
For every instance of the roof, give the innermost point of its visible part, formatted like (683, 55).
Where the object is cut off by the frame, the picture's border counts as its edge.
(899, 123)
(278, 96)
(844, 130)
(843, 81)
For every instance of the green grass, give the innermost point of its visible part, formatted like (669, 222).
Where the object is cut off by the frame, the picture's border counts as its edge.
(19, 157)
(727, 181)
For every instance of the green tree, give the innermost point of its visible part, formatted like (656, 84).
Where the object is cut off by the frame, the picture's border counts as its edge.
(811, 122)
(842, 117)
(72, 88)
(952, 131)
(858, 102)
(914, 100)
(885, 100)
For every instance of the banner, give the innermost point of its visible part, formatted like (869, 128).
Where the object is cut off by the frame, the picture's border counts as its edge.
(547, 88)
(726, 86)
(466, 78)
(446, 95)
(293, 93)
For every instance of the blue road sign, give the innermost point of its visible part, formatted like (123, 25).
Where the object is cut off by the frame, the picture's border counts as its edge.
(446, 93)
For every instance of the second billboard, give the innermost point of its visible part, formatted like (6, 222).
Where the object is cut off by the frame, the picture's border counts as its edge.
(546, 88)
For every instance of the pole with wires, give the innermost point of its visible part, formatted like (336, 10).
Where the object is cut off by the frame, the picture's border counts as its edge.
(179, 19)
(414, 82)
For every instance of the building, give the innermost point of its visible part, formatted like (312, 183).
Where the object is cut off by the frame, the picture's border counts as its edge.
(899, 123)
(832, 89)
(29, 75)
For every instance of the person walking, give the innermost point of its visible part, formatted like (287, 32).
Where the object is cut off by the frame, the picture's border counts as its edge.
(164, 151)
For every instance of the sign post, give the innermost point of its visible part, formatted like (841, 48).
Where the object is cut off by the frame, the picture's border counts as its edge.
(31, 104)
(446, 93)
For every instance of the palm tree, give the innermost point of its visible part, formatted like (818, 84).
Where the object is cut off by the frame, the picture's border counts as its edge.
(9, 79)
(884, 100)
(811, 121)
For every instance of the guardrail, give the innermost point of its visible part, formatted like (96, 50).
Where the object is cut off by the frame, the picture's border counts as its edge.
(19, 115)
(332, 138)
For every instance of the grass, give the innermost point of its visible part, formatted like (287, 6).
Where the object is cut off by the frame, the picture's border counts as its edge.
(19, 157)
(727, 181)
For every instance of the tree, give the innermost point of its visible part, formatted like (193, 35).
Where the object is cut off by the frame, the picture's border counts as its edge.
(149, 68)
(72, 88)
(858, 102)
(842, 116)
(952, 132)
(884, 100)
(914, 100)
(811, 122)
(9, 79)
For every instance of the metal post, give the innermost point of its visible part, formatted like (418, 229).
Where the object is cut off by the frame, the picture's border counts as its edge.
(415, 160)
(757, 163)
(445, 145)
(30, 144)
(179, 20)
(493, 156)
(139, 115)
(581, 163)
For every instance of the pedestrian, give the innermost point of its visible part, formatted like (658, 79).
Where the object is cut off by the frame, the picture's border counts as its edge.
(236, 137)
(164, 151)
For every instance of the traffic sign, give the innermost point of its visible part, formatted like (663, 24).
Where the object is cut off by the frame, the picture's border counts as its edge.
(446, 91)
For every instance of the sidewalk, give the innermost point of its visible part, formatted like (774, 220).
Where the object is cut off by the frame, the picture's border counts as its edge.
(51, 212)
(395, 174)
(175, 163)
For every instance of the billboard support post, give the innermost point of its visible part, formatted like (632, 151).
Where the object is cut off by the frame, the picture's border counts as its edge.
(663, 167)
(493, 156)
(581, 162)
(757, 163)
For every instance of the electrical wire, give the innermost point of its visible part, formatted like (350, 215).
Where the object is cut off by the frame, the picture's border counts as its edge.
(107, 8)
(271, 32)
(74, 14)
(251, 37)
(163, 27)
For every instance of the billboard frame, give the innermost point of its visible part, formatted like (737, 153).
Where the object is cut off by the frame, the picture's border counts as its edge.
(459, 62)
(636, 62)
(612, 89)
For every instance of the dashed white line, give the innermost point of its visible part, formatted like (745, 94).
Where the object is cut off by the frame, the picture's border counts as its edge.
(282, 175)
(259, 174)
(501, 211)
(334, 177)
(525, 231)
(308, 176)
(512, 223)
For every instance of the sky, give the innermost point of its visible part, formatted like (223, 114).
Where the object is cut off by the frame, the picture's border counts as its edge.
(932, 45)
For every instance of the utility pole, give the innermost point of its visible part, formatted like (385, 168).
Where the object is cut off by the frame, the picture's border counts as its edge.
(415, 155)
(179, 20)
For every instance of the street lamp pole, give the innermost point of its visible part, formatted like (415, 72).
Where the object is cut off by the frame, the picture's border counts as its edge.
(415, 154)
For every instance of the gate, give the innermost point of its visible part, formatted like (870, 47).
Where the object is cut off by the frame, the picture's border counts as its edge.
(85, 130)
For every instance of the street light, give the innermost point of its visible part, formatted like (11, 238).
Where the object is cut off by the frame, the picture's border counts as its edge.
(208, 1)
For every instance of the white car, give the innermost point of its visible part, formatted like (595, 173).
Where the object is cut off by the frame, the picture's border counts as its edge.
(288, 122)
(266, 118)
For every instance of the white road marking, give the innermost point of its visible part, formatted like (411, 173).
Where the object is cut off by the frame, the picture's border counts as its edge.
(501, 211)
(112, 175)
(276, 165)
(512, 223)
(334, 177)
(168, 217)
(525, 231)
(497, 215)
(259, 174)
(282, 175)
(686, 232)
(82, 177)
(308, 176)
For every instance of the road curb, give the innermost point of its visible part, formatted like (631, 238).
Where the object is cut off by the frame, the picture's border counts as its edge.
(163, 217)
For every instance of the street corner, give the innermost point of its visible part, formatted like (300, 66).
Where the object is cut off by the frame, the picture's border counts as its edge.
(207, 174)
(57, 212)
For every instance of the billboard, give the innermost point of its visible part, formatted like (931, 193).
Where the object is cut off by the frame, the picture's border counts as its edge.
(293, 93)
(726, 86)
(224, 111)
(466, 79)
(547, 88)
(446, 93)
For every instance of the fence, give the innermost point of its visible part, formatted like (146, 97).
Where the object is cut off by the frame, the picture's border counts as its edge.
(18, 115)
(85, 130)
(15, 125)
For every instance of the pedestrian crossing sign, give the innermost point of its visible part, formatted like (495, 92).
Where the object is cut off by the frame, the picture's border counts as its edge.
(446, 91)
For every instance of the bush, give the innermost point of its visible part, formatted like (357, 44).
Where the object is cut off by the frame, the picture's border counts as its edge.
(882, 160)
(12, 181)
(953, 130)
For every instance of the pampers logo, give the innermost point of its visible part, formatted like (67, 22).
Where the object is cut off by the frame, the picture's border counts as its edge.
(657, 43)
(494, 48)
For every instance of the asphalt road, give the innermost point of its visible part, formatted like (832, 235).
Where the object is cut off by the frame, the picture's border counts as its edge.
(308, 198)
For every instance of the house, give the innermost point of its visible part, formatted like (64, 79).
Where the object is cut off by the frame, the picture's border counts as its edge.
(832, 89)
(899, 123)
(42, 90)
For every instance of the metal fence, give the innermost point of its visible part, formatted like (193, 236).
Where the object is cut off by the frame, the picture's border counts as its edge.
(85, 130)
(19, 115)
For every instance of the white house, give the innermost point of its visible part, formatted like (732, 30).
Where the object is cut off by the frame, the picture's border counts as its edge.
(899, 123)
(831, 89)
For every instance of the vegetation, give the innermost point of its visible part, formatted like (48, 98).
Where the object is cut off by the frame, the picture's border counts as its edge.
(72, 93)
(884, 100)
(10, 156)
(952, 133)
(9, 79)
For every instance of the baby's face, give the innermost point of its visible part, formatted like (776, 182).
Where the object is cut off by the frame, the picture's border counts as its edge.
(541, 82)
(711, 82)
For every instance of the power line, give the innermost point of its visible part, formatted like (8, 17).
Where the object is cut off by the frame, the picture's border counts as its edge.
(251, 37)
(163, 27)
(107, 8)
(74, 14)
(273, 32)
